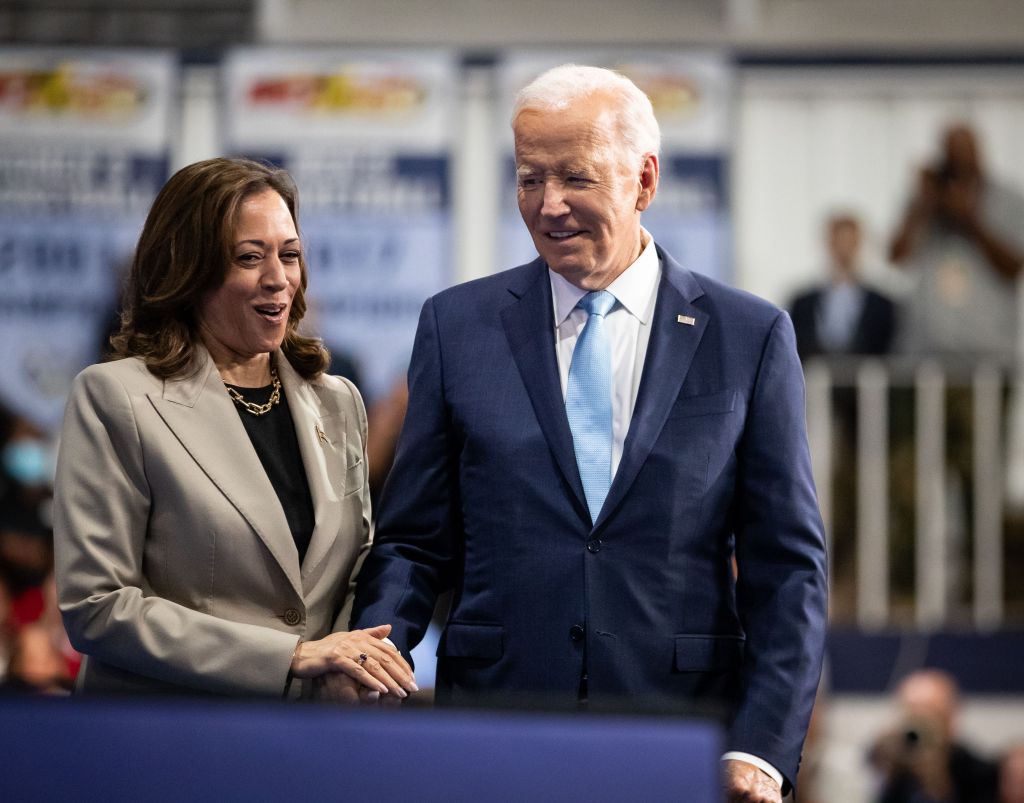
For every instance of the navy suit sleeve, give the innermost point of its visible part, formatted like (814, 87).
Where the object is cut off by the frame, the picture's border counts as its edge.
(781, 592)
(417, 542)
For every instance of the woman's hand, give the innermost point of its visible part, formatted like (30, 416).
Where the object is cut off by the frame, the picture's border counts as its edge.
(360, 654)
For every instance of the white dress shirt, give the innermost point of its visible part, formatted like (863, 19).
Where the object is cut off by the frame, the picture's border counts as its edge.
(628, 325)
(841, 305)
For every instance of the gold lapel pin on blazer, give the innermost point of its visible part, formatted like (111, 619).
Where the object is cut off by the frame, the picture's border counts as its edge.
(321, 435)
(686, 319)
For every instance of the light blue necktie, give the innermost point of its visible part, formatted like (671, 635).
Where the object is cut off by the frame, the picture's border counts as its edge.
(588, 401)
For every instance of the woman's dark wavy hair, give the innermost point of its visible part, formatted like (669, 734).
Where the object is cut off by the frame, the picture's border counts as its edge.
(184, 253)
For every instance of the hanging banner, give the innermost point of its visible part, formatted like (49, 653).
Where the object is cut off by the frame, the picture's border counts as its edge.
(83, 151)
(367, 137)
(692, 95)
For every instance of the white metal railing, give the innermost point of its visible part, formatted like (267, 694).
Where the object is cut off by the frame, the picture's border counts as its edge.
(872, 495)
(938, 492)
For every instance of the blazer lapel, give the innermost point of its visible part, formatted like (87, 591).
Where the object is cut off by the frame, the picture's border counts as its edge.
(322, 461)
(204, 419)
(670, 351)
(529, 327)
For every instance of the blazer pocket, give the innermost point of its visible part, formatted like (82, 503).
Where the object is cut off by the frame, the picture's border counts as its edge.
(708, 653)
(722, 401)
(354, 478)
(460, 640)
(348, 451)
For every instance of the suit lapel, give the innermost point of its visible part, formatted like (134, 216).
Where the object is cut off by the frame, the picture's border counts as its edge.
(203, 418)
(670, 351)
(321, 460)
(529, 327)
(861, 343)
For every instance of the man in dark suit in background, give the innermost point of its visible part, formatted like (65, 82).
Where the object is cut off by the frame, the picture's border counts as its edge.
(843, 316)
(840, 320)
(591, 439)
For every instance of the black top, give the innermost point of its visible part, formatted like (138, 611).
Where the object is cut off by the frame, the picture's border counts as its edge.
(273, 436)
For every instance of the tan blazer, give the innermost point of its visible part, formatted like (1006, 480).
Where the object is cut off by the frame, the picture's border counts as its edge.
(176, 570)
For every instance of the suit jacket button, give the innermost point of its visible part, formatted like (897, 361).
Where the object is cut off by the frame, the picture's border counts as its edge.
(292, 617)
(576, 633)
(594, 546)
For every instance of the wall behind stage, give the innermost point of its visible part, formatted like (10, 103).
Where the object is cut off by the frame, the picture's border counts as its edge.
(803, 140)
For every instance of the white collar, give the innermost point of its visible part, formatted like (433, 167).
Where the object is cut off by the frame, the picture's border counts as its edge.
(635, 288)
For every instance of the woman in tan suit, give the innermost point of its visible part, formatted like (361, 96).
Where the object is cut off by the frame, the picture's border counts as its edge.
(211, 494)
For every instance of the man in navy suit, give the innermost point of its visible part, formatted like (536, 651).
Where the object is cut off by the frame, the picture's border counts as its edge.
(843, 316)
(592, 440)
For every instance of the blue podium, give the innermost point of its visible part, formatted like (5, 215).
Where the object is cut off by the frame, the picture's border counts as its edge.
(84, 750)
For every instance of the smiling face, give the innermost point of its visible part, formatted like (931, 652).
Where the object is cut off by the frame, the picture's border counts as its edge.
(246, 318)
(580, 192)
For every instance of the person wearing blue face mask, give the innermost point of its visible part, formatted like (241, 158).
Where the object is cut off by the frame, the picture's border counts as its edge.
(28, 461)
(26, 478)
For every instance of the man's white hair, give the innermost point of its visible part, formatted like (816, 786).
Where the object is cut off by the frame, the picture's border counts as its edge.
(562, 86)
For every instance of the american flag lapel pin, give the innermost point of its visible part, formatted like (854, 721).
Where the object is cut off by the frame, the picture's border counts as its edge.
(686, 319)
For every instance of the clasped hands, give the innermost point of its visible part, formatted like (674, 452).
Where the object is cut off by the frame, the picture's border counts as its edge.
(355, 666)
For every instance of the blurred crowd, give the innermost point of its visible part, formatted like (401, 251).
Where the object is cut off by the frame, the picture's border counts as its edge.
(960, 247)
(960, 242)
(35, 655)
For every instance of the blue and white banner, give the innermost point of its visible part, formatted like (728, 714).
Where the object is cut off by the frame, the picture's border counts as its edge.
(83, 151)
(367, 137)
(692, 97)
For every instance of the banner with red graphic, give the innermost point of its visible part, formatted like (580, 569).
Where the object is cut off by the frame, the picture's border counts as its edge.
(83, 150)
(367, 137)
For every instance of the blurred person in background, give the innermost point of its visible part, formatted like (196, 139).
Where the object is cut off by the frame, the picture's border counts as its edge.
(39, 658)
(26, 536)
(1011, 775)
(919, 759)
(961, 239)
(843, 315)
(962, 244)
(26, 469)
(837, 320)
(26, 561)
(36, 665)
(211, 502)
(592, 568)
(26, 555)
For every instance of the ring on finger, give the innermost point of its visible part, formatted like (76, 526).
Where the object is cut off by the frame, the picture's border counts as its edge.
(362, 658)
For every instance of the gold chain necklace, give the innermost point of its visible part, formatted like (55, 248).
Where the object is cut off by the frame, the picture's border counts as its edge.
(258, 409)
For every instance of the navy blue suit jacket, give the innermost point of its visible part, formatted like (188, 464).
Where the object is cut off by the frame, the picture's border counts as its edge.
(485, 498)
